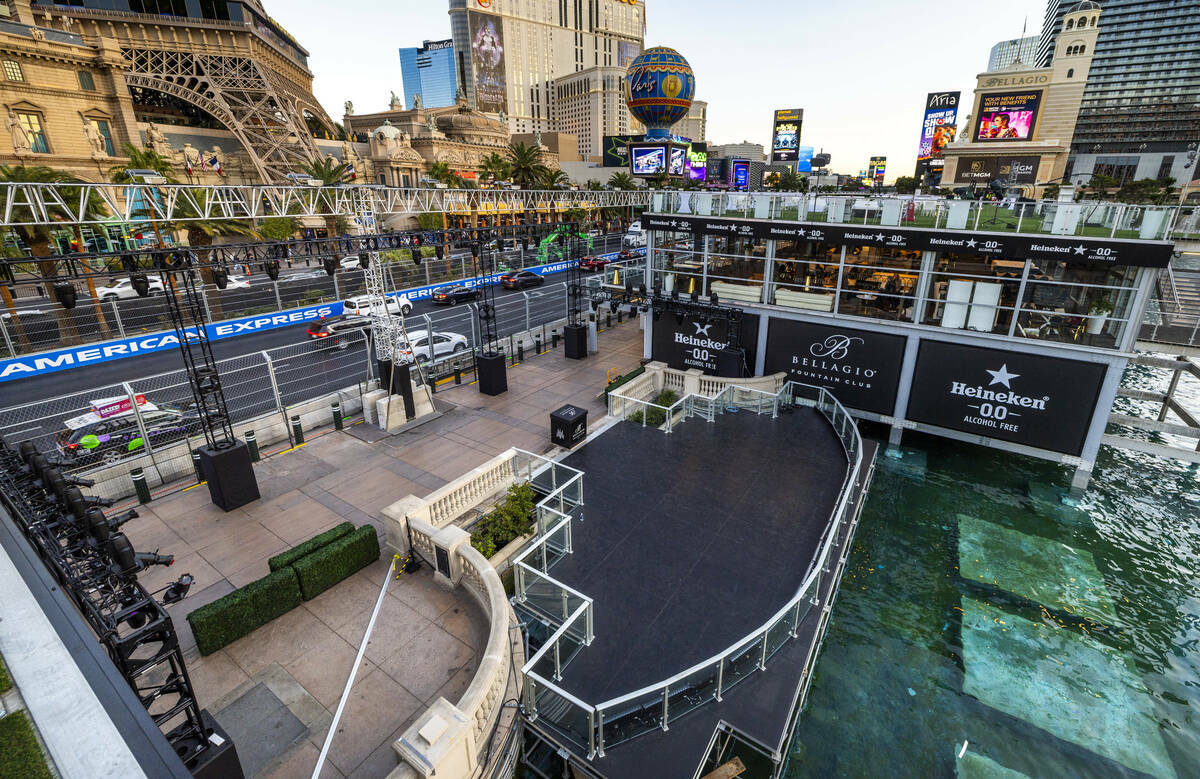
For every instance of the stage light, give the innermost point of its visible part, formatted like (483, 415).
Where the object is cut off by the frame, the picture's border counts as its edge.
(178, 590)
(127, 262)
(475, 249)
(272, 269)
(364, 260)
(642, 290)
(695, 296)
(439, 252)
(141, 284)
(220, 278)
(675, 293)
(416, 256)
(66, 295)
(331, 265)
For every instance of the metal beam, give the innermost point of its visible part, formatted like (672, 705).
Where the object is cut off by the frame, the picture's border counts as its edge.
(64, 205)
(1158, 450)
(1154, 426)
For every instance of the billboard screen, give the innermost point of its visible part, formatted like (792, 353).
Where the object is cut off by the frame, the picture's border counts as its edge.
(487, 59)
(627, 52)
(678, 160)
(941, 118)
(1007, 116)
(984, 170)
(876, 168)
(648, 160)
(804, 156)
(616, 149)
(785, 134)
(740, 173)
(697, 163)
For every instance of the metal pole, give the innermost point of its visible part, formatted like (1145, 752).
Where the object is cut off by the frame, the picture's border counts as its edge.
(278, 300)
(8, 341)
(117, 315)
(141, 423)
(275, 388)
(528, 326)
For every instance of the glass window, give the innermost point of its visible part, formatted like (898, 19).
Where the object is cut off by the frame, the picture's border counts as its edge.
(879, 282)
(1080, 303)
(12, 71)
(33, 126)
(86, 82)
(101, 126)
(806, 274)
(972, 292)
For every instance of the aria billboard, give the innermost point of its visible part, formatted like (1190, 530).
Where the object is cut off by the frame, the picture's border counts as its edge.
(487, 60)
(785, 134)
(937, 130)
(1007, 116)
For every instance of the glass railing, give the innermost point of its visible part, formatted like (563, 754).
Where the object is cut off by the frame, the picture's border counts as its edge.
(1093, 219)
(593, 727)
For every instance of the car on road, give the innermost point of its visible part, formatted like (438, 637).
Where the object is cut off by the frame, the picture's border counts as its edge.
(625, 254)
(593, 233)
(308, 274)
(350, 262)
(593, 263)
(336, 331)
(443, 344)
(122, 289)
(521, 279)
(454, 294)
(361, 305)
(89, 439)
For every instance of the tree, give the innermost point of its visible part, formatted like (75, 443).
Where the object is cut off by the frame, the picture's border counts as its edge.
(660, 180)
(494, 168)
(1051, 192)
(280, 228)
(441, 173)
(37, 238)
(525, 165)
(622, 181)
(1153, 191)
(553, 178)
(141, 159)
(594, 186)
(1100, 184)
(906, 185)
(330, 173)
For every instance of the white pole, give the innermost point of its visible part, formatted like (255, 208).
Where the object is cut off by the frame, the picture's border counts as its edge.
(354, 670)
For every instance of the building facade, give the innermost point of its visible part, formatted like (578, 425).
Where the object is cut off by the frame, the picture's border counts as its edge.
(1140, 114)
(741, 151)
(694, 126)
(511, 52)
(590, 104)
(1022, 118)
(218, 87)
(430, 74)
(1006, 53)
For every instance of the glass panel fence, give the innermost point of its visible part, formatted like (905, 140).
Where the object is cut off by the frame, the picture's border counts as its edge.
(742, 663)
(565, 716)
(692, 691)
(633, 718)
(779, 633)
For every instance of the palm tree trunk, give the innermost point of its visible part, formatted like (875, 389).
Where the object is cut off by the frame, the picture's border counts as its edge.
(198, 240)
(14, 319)
(67, 332)
(97, 305)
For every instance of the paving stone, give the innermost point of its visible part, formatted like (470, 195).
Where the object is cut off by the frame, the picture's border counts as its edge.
(262, 728)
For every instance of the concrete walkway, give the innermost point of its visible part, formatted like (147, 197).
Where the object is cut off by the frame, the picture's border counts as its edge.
(280, 684)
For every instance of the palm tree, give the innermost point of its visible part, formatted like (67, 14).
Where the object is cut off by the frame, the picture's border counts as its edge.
(594, 186)
(141, 159)
(441, 173)
(330, 173)
(494, 167)
(525, 164)
(622, 181)
(553, 178)
(787, 181)
(660, 180)
(37, 237)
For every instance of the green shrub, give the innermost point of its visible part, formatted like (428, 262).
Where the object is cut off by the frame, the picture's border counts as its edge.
(289, 556)
(229, 618)
(20, 755)
(617, 382)
(509, 520)
(655, 417)
(330, 564)
(5, 680)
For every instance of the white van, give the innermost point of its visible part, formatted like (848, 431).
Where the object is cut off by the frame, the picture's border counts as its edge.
(361, 305)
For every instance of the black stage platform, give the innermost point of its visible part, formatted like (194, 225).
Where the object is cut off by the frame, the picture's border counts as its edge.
(689, 542)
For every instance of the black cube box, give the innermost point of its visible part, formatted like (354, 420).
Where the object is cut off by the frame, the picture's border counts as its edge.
(230, 474)
(575, 338)
(568, 426)
(492, 377)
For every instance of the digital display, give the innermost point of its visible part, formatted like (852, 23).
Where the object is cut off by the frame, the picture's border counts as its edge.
(678, 160)
(697, 163)
(785, 134)
(804, 156)
(941, 117)
(616, 149)
(487, 57)
(648, 160)
(740, 173)
(1009, 116)
(876, 169)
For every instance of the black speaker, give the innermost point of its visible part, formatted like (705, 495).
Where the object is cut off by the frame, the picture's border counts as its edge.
(402, 386)
(492, 377)
(230, 474)
(575, 339)
(219, 758)
(731, 363)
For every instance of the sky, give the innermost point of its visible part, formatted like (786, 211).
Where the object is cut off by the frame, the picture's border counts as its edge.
(860, 69)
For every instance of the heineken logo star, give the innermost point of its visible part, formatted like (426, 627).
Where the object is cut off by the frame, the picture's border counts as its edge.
(1002, 376)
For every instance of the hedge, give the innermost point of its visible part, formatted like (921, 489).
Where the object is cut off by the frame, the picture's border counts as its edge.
(327, 566)
(509, 520)
(289, 556)
(655, 417)
(20, 754)
(240, 612)
(5, 680)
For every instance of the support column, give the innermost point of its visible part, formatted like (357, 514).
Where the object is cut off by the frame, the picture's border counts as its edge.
(902, 394)
(1091, 444)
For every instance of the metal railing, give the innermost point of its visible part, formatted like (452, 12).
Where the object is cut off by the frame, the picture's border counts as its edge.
(592, 727)
(1096, 219)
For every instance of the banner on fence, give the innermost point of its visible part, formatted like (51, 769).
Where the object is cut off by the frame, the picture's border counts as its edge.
(41, 363)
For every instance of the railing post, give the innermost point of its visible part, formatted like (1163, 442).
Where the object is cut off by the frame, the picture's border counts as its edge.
(7, 340)
(600, 732)
(666, 697)
(275, 391)
(557, 664)
(762, 660)
(591, 634)
(566, 606)
(720, 677)
(530, 698)
(528, 320)
(117, 315)
(279, 300)
(591, 734)
(204, 300)
(337, 290)
(520, 583)
(141, 423)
